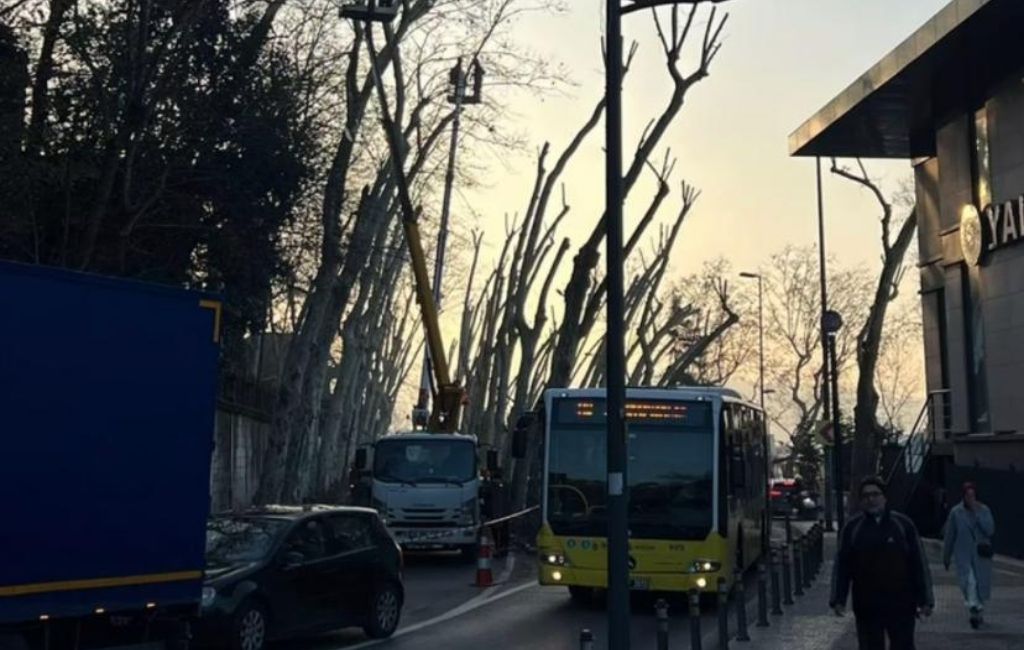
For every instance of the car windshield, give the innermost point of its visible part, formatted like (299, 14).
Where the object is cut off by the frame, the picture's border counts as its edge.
(424, 461)
(233, 540)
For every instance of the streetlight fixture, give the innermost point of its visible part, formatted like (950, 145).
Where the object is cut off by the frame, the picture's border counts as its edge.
(459, 97)
(615, 349)
(373, 11)
(766, 517)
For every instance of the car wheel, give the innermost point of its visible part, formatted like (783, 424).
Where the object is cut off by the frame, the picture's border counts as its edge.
(249, 629)
(385, 612)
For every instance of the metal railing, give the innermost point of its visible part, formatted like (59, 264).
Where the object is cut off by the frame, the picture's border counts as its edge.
(905, 473)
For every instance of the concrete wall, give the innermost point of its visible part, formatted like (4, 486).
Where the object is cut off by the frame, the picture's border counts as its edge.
(239, 443)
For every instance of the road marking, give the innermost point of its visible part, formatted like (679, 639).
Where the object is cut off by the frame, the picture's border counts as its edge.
(1015, 574)
(486, 597)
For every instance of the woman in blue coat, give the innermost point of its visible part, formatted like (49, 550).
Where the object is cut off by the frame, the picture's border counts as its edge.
(969, 531)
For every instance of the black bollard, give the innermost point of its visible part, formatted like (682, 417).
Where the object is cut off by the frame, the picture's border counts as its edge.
(723, 615)
(740, 598)
(821, 549)
(787, 577)
(809, 561)
(586, 640)
(789, 530)
(798, 568)
(776, 569)
(762, 594)
(695, 641)
(661, 613)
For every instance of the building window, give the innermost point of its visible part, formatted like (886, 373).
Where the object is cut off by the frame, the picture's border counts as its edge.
(974, 322)
(981, 164)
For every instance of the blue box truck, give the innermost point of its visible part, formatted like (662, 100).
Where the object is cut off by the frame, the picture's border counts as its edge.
(107, 398)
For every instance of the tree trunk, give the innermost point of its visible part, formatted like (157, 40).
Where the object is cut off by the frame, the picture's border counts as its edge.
(866, 442)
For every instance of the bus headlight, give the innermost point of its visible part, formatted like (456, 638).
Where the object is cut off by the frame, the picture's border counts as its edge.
(704, 566)
(556, 559)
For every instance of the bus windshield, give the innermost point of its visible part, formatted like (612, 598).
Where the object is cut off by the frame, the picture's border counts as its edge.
(670, 471)
(424, 461)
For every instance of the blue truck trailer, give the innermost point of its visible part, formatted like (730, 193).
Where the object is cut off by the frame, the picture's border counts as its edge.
(107, 398)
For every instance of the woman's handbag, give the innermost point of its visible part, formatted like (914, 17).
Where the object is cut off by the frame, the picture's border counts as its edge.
(984, 548)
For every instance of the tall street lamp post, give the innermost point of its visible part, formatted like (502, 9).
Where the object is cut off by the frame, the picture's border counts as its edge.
(615, 349)
(766, 517)
(826, 368)
(831, 323)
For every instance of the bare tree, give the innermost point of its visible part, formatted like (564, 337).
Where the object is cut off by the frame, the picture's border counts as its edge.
(867, 432)
(581, 298)
(900, 368)
(793, 342)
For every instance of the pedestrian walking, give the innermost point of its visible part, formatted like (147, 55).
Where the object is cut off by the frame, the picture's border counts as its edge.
(880, 555)
(968, 541)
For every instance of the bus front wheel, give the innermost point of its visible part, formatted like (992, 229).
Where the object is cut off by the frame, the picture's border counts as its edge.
(581, 595)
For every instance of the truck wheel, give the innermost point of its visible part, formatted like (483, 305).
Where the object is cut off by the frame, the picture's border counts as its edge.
(13, 642)
(385, 612)
(249, 627)
(468, 552)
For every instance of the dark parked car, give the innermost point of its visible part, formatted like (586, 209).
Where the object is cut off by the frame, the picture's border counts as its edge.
(287, 571)
(791, 495)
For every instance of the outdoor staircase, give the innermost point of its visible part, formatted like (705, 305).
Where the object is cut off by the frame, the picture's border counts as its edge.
(904, 475)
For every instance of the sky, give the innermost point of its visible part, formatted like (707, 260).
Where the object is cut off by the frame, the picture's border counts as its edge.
(780, 62)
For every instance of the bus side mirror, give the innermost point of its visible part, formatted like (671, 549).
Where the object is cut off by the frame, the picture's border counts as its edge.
(360, 461)
(519, 435)
(492, 461)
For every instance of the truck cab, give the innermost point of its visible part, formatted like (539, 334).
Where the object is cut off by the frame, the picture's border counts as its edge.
(428, 488)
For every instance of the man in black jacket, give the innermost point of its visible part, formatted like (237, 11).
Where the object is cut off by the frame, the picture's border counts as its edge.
(880, 553)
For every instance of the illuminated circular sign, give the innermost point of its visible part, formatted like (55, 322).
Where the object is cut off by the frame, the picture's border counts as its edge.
(970, 234)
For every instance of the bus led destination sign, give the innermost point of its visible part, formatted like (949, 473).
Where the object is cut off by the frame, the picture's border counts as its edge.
(662, 412)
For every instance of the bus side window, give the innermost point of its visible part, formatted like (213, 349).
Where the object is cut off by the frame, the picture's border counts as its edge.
(737, 461)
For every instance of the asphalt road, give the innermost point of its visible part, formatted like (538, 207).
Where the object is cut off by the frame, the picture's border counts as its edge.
(443, 610)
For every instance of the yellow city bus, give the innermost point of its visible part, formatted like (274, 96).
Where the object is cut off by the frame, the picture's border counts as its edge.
(697, 479)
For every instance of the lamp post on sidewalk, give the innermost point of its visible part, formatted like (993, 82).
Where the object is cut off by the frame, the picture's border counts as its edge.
(615, 349)
(766, 517)
(831, 323)
(826, 367)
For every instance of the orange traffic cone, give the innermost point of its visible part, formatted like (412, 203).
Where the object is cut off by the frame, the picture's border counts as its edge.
(484, 576)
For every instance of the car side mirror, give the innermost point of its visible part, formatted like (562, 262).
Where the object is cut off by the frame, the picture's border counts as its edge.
(361, 458)
(292, 559)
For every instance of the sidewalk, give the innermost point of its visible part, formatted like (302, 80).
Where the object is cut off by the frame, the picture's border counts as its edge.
(810, 625)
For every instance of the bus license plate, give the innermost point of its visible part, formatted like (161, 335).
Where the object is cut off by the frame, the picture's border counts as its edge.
(640, 584)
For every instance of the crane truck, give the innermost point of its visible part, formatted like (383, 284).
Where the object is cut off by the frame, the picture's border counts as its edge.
(430, 484)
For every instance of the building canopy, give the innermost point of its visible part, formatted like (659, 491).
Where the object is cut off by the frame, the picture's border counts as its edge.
(948, 65)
